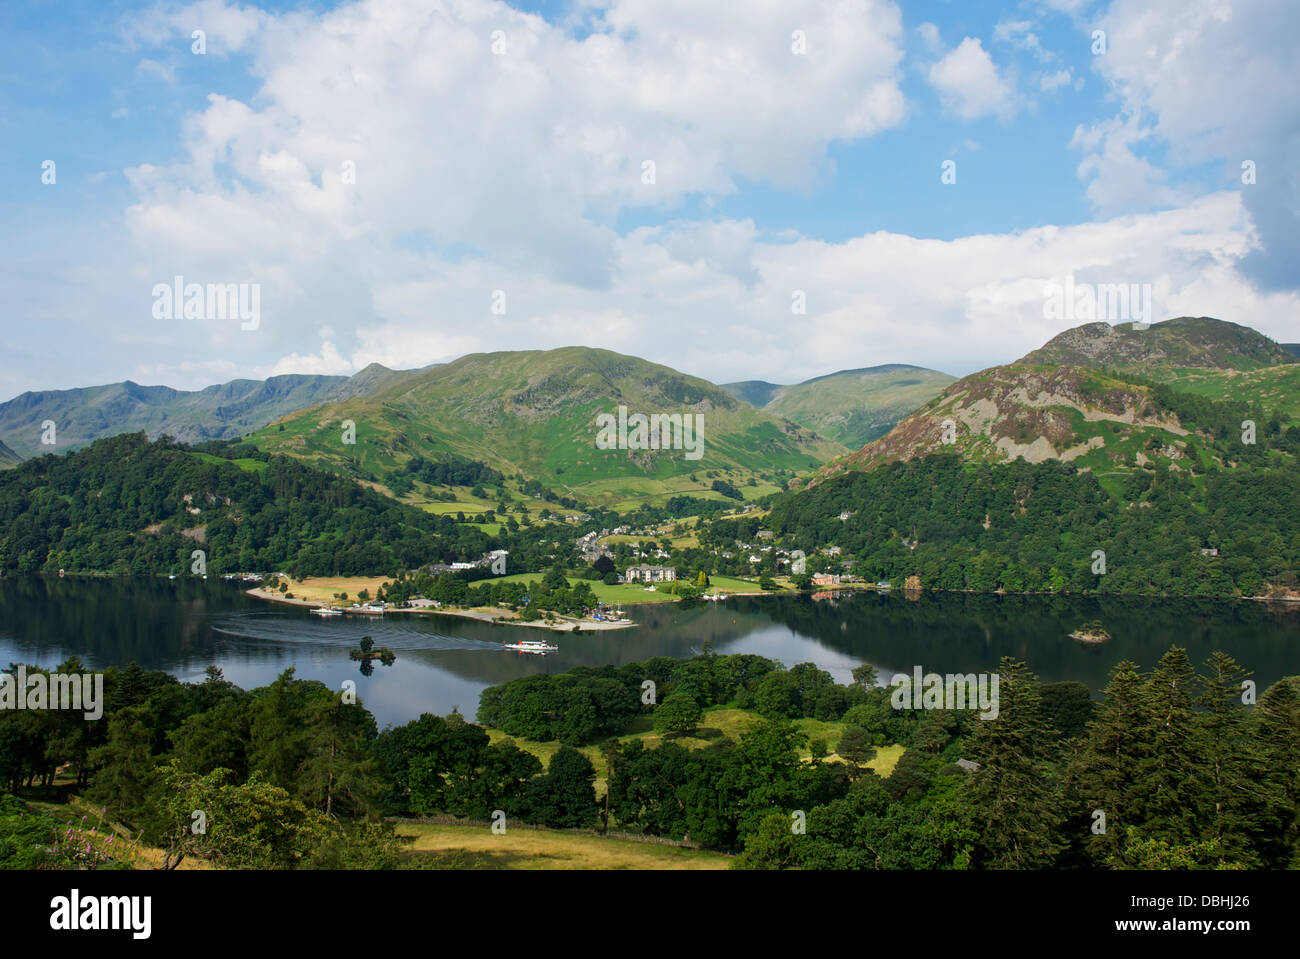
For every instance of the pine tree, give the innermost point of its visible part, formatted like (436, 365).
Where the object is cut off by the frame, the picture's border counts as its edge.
(1233, 787)
(1279, 737)
(1166, 773)
(1105, 775)
(1013, 797)
(336, 776)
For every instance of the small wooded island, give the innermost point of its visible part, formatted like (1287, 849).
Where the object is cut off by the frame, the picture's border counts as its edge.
(365, 652)
(1093, 632)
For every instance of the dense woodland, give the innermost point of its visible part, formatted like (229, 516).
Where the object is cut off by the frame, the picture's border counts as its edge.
(1188, 771)
(1027, 527)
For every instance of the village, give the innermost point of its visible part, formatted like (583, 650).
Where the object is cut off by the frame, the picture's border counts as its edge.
(609, 567)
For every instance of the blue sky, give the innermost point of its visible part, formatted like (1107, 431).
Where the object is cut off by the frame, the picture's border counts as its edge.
(521, 170)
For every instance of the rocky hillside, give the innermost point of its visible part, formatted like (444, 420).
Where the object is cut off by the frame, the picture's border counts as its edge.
(1185, 342)
(8, 457)
(1011, 411)
(1103, 398)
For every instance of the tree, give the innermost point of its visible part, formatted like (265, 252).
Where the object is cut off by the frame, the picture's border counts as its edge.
(865, 676)
(254, 824)
(1279, 734)
(772, 846)
(1012, 794)
(1107, 774)
(678, 713)
(1167, 775)
(1235, 788)
(126, 780)
(565, 798)
(855, 747)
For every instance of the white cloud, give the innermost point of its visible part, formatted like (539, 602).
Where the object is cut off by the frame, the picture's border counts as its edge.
(326, 362)
(929, 34)
(531, 153)
(680, 296)
(188, 374)
(152, 69)
(1020, 34)
(477, 173)
(1051, 81)
(1206, 80)
(970, 84)
(1120, 178)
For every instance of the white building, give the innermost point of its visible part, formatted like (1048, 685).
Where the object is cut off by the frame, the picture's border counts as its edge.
(649, 574)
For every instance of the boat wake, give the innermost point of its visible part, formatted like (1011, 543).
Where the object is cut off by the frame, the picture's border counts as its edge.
(341, 633)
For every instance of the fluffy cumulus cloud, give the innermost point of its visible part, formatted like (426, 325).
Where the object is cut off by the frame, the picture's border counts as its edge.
(417, 180)
(1201, 81)
(717, 299)
(970, 83)
(472, 124)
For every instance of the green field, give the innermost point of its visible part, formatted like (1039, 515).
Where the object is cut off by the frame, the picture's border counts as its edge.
(475, 846)
(627, 594)
(719, 722)
(248, 465)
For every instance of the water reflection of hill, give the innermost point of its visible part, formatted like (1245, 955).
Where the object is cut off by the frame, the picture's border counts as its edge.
(966, 632)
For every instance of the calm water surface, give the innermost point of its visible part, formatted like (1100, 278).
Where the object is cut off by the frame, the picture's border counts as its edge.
(183, 626)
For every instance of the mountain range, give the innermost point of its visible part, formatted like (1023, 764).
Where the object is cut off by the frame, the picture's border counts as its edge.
(851, 407)
(225, 411)
(533, 413)
(1105, 398)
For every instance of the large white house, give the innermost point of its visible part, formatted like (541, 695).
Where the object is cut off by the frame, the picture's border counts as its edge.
(649, 574)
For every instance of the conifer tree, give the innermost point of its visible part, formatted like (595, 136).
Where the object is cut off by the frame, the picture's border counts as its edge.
(1279, 738)
(1165, 774)
(1234, 791)
(1105, 775)
(1012, 798)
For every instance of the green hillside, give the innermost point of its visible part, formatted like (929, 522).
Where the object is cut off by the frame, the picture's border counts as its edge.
(757, 393)
(1112, 398)
(535, 413)
(857, 406)
(225, 411)
(8, 457)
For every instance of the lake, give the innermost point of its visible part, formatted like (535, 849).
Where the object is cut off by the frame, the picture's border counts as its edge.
(182, 626)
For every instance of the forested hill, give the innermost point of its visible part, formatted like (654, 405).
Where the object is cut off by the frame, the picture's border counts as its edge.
(127, 505)
(1026, 527)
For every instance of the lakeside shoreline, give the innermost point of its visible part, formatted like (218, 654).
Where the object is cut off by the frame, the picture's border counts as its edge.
(1290, 600)
(564, 625)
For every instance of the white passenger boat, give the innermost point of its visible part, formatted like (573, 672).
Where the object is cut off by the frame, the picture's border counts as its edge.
(326, 611)
(366, 609)
(531, 646)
